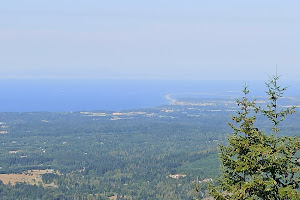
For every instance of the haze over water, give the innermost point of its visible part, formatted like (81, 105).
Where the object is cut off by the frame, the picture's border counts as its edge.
(78, 95)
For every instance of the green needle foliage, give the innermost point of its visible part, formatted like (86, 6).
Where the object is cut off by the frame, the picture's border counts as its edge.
(275, 92)
(256, 165)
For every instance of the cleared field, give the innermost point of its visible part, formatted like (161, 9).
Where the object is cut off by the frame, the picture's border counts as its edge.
(30, 177)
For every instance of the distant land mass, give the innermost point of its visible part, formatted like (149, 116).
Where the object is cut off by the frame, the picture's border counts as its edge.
(142, 153)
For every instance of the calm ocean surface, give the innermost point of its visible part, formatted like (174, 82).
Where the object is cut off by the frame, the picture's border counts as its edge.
(85, 95)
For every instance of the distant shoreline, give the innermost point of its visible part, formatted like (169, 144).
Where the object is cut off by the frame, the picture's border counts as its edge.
(90, 95)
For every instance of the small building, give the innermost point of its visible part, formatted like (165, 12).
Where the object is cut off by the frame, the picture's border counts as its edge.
(177, 176)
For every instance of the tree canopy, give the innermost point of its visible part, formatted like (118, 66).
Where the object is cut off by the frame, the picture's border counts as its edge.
(256, 165)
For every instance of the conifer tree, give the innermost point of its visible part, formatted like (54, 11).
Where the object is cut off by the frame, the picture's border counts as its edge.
(256, 165)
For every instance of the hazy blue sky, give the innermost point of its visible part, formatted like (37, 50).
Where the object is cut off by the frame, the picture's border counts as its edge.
(154, 39)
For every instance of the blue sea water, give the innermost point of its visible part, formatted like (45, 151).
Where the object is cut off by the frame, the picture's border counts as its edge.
(86, 95)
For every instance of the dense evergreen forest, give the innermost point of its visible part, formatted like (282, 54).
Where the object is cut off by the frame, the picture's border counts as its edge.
(118, 155)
